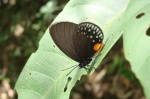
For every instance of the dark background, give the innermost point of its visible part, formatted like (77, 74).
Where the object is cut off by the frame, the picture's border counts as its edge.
(23, 23)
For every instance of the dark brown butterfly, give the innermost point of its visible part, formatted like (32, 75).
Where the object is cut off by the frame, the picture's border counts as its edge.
(80, 42)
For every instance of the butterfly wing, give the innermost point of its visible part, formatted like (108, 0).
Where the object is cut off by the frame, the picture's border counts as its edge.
(87, 35)
(62, 34)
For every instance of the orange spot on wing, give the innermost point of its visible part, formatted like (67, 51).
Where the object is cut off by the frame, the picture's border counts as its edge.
(98, 47)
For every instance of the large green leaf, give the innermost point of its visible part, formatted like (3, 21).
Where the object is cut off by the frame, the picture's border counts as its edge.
(136, 41)
(42, 76)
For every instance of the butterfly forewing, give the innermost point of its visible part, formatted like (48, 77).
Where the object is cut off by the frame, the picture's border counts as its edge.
(62, 34)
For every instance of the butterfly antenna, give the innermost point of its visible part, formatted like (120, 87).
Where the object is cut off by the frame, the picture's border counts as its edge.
(72, 70)
(106, 40)
(69, 67)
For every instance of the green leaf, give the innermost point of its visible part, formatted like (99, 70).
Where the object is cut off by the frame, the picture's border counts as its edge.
(136, 42)
(42, 76)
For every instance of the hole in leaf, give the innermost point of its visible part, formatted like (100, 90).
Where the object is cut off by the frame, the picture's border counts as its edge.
(148, 31)
(140, 15)
(66, 87)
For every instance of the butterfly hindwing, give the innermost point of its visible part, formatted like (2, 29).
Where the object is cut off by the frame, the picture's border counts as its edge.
(86, 36)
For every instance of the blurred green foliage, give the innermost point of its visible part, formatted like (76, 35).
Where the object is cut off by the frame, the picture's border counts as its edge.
(22, 24)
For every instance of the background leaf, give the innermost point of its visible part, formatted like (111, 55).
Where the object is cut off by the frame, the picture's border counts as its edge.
(136, 40)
